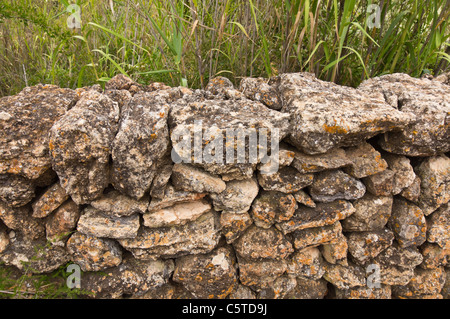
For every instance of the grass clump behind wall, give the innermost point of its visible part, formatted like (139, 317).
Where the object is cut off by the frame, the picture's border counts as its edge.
(188, 42)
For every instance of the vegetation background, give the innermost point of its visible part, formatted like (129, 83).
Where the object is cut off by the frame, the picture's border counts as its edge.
(188, 42)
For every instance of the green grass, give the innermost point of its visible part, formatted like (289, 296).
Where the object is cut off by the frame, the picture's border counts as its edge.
(32, 285)
(188, 42)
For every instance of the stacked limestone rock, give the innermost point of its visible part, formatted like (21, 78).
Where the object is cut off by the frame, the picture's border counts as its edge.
(357, 209)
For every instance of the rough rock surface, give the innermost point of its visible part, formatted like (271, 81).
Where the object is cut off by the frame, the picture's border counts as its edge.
(92, 253)
(318, 125)
(408, 223)
(335, 184)
(190, 178)
(259, 243)
(428, 102)
(117, 204)
(96, 223)
(80, 145)
(371, 213)
(434, 173)
(51, 199)
(211, 275)
(211, 124)
(237, 196)
(286, 180)
(142, 140)
(323, 214)
(261, 90)
(25, 120)
(33, 255)
(178, 214)
(62, 222)
(272, 207)
(195, 237)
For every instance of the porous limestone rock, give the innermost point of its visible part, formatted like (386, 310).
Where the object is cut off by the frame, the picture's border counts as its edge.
(408, 223)
(380, 184)
(237, 196)
(428, 102)
(345, 277)
(33, 256)
(208, 276)
(141, 141)
(434, 173)
(234, 225)
(25, 120)
(323, 214)
(307, 262)
(412, 192)
(132, 277)
(316, 235)
(4, 237)
(260, 274)
(358, 292)
(335, 251)
(303, 198)
(95, 223)
(307, 163)
(272, 207)
(308, 289)
(193, 179)
(365, 161)
(20, 219)
(62, 222)
(92, 253)
(434, 255)
(261, 90)
(260, 243)
(335, 184)
(365, 245)
(325, 115)
(51, 199)
(438, 229)
(404, 172)
(217, 128)
(196, 237)
(80, 146)
(279, 288)
(117, 204)
(178, 214)
(172, 197)
(424, 282)
(16, 190)
(371, 213)
(286, 180)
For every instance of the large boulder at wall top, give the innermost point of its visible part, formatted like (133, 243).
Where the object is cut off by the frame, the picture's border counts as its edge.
(428, 101)
(325, 115)
(25, 120)
(215, 127)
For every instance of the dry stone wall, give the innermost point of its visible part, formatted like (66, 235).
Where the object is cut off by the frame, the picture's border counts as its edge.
(334, 192)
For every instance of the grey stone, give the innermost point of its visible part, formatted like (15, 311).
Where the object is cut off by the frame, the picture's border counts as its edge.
(335, 184)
